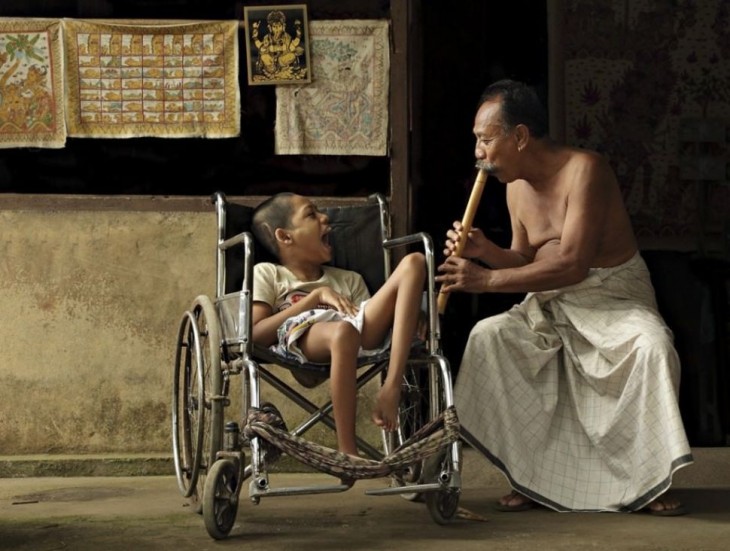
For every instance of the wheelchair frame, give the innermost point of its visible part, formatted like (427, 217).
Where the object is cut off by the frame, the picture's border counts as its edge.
(209, 457)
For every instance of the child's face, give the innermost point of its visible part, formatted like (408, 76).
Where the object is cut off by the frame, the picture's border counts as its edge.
(309, 229)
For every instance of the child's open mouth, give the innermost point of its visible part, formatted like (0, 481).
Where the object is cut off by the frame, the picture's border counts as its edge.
(326, 237)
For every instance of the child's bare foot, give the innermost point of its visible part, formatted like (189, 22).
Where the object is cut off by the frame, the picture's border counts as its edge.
(385, 413)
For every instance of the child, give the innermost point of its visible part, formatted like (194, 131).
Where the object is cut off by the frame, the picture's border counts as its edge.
(336, 317)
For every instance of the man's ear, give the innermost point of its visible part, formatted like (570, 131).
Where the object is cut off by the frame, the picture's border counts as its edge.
(522, 136)
(282, 236)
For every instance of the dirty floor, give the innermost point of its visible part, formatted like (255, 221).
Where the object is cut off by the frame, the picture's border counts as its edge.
(148, 513)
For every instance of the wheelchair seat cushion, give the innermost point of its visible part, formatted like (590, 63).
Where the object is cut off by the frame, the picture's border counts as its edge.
(308, 379)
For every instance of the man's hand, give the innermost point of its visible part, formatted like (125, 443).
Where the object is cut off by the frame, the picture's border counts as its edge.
(461, 274)
(475, 242)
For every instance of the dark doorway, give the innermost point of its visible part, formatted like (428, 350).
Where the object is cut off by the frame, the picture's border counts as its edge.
(465, 46)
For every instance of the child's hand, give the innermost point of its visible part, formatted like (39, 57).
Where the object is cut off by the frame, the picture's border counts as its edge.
(337, 301)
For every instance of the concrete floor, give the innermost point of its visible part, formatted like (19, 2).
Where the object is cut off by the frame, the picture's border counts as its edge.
(148, 513)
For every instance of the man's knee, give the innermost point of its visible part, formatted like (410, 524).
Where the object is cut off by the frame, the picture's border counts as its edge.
(656, 344)
(489, 328)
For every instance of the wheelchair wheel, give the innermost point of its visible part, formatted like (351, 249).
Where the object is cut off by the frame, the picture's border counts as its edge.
(442, 505)
(412, 414)
(197, 417)
(220, 501)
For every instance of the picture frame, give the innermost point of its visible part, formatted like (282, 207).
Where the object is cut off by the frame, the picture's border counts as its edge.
(277, 44)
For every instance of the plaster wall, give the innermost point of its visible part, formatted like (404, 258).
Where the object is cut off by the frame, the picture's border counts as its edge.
(92, 302)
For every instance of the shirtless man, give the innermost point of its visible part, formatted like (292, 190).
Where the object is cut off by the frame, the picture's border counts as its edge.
(570, 234)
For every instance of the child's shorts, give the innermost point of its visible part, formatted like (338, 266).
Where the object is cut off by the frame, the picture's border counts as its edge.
(293, 328)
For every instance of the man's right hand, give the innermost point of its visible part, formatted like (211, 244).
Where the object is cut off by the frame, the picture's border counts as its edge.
(475, 242)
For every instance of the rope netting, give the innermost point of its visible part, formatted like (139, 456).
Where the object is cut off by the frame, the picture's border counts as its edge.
(267, 423)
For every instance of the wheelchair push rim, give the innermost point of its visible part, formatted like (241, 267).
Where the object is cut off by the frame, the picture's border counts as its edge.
(196, 409)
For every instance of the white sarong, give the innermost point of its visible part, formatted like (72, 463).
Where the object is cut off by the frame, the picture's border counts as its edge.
(572, 394)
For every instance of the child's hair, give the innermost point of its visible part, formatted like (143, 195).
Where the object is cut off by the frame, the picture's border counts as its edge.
(275, 212)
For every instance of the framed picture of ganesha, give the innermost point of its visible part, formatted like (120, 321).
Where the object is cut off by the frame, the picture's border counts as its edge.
(277, 44)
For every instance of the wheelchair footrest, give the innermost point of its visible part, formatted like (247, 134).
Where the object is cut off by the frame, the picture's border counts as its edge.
(394, 490)
(256, 492)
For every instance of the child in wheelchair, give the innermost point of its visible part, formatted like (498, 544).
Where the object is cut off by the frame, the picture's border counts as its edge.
(305, 309)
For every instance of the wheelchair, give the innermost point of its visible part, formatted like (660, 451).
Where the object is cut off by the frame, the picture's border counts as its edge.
(213, 456)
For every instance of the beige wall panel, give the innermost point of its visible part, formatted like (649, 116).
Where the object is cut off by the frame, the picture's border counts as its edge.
(92, 302)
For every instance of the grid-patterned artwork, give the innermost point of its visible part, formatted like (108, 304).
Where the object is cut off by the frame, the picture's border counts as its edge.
(31, 84)
(163, 79)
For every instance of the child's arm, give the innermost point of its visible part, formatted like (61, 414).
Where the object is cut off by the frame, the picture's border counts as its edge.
(265, 322)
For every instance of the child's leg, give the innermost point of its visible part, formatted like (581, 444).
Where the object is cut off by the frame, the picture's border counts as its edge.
(338, 342)
(396, 305)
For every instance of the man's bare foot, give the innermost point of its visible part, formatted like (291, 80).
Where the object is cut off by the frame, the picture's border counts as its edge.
(662, 506)
(666, 506)
(514, 502)
(385, 413)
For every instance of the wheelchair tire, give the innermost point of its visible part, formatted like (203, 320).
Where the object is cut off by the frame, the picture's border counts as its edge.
(197, 409)
(442, 505)
(187, 393)
(220, 497)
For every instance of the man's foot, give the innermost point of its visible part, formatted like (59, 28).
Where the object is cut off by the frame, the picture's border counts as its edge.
(514, 502)
(385, 413)
(665, 506)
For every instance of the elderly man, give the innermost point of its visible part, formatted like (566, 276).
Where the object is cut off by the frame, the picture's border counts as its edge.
(573, 392)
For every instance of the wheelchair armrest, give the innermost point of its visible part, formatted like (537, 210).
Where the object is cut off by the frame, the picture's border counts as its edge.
(236, 240)
(410, 239)
(425, 240)
(245, 238)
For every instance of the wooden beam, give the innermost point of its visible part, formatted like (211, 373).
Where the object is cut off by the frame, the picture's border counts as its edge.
(400, 189)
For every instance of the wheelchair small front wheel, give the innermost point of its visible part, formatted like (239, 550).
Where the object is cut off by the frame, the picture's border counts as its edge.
(442, 505)
(220, 498)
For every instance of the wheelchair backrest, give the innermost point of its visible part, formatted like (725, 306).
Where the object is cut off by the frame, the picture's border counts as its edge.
(358, 231)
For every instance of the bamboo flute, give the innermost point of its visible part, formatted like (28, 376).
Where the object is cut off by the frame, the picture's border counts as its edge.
(466, 223)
